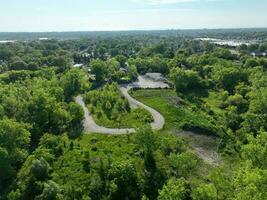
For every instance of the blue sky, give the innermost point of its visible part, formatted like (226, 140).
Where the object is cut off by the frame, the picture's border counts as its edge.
(83, 15)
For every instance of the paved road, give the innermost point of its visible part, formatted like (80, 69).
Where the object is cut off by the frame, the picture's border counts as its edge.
(90, 125)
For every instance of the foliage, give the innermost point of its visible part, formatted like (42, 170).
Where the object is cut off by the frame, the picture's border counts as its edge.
(185, 80)
(174, 190)
(111, 109)
(220, 92)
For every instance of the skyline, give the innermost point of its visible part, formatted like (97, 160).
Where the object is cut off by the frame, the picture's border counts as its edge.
(115, 15)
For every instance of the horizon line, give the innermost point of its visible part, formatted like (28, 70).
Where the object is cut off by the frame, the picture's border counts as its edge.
(131, 30)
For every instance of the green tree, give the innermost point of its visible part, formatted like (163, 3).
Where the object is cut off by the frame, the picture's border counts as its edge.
(99, 69)
(183, 163)
(50, 191)
(7, 173)
(249, 183)
(205, 192)
(229, 77)
(185, 80)
(175, 190)
(122, 60)
(40, 169)
(124, 176)
(256, 150)
(74, 82)
(15, 138)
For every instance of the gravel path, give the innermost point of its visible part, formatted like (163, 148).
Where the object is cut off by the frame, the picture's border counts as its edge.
(158, 119)
(90, 125)
(198, 142)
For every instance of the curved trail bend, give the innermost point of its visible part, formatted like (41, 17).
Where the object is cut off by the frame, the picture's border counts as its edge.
(90, 125)
(209, 155)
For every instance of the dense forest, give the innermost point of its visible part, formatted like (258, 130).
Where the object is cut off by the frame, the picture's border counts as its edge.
(217, 92)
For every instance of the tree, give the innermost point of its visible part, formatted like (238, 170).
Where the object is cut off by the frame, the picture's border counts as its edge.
(146, 139)
(6, 171)
(122, 60)
(113, 70)
(256, 150)
(229, 77)
(255, 117)
(223, 53)
(251, 62)
(249, 183)
(74, 82)
(238, 101)
(40, 169)
(132, 72)
(205, 192)
(185, 80)
(63, 63)
(50, 191)
(15, 138)
(47, 114)
(99, 69)
(124, 176)
(183, 163)
(18, 64)
(175, 190)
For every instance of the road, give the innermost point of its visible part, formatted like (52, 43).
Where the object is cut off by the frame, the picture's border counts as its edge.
(90, 125)
(158, 119)
(198, 142)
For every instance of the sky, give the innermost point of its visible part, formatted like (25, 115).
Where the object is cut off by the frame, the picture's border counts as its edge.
(100, 15)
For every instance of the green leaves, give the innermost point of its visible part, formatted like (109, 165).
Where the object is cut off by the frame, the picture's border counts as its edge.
(74, 82)
(256, 150)
(205, 192)
(175, 190)
(40, 169)
(185, 80)
(15, 138)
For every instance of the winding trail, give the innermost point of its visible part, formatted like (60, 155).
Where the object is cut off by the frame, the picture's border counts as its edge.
(90, 125)
(199, 143)
(158, 119)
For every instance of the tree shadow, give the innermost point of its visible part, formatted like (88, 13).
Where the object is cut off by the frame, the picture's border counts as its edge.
(75, 131)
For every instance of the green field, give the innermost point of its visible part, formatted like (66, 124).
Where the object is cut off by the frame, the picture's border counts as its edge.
(177, 112)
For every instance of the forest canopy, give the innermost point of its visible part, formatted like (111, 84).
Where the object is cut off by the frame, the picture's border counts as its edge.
(218, 93)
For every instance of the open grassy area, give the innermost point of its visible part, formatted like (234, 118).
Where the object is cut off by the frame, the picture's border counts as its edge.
(178, 113)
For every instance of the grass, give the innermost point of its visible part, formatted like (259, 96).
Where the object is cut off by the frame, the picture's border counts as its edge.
(176, 112)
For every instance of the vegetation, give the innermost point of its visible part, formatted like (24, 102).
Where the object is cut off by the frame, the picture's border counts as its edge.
(110, 109)
(45, 155)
